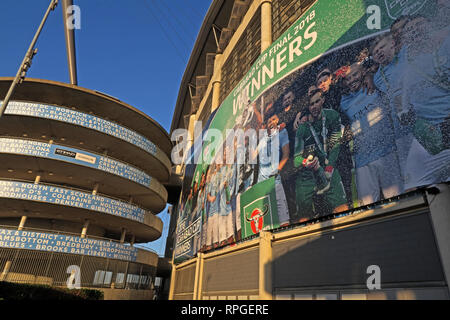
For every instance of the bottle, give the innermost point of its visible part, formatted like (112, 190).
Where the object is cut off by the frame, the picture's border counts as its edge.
(319, 175)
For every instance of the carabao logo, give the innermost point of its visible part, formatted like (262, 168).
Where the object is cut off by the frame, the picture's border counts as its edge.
(257, 218)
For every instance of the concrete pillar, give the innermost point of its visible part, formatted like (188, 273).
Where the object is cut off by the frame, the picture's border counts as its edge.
(215, 95)
(126, 275)
(191, 136)
(85, 228)
(5, 272)
(265, 265)
(439, 204)
(191, 128)
(123, 234)
(266, 24)
(198, 277)
(197, 269)
(95, 190)
(37, 179)
(22, 223)
(216, 80)
(172, 281)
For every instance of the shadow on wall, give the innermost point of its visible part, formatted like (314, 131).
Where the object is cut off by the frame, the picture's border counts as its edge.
(403, 248)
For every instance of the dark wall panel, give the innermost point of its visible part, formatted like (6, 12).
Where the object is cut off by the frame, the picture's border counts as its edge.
(184, 280)
(232, 272)
(403, 248)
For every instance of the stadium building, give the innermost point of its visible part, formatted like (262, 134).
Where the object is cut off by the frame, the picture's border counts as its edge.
(82, 179)
(357, 204)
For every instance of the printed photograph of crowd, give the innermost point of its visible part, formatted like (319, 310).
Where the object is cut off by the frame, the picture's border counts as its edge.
(364, 123)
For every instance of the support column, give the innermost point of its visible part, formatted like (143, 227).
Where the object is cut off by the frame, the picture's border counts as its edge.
(85, 228)
(172, 281)
(266, 24)
(191, 136)
(95, 190)
(22, 223)
(197, 268)
(198, 277)
(192, 119)
(265, 265)
(70, 42)
(133, 238)
(216, 81)
(37, 179)
(439, 204)
(5, 272)
(122, 236)
(126, 275)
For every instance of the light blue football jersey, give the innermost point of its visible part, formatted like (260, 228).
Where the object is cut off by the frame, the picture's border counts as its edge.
(212, 190)
(224, 208)
(390, 80)
(427, 83)
(267, 167)
(373, 132)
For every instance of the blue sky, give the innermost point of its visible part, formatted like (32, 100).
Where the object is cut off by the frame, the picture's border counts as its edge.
(129, 49)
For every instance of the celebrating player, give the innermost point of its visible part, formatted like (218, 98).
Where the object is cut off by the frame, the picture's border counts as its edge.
(316, 151)
(332, 96)
(273, 153)
(427, 91)
(212, 238)
(374, 149)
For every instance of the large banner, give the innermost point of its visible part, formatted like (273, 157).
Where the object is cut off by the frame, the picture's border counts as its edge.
(350, 106)
(39, 110)
(76, 156)
(50, 242)
(72, 198)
